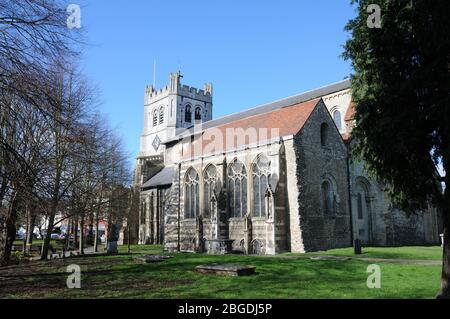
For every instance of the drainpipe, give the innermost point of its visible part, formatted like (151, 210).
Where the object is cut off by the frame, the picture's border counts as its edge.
(350, 195)
(179, 209)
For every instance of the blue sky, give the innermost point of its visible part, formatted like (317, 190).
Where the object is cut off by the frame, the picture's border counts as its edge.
(253, 51)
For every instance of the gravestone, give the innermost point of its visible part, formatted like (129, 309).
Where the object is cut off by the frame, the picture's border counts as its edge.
(226, 270)
(112, 247)
(147, 259)
(113, 239)
(219, 246)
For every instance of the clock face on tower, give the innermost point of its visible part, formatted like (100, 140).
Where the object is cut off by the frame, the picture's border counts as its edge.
(156, 143)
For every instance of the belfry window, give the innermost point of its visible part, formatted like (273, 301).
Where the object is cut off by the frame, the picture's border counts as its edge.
(155, 118)
(198, 114)
(261, 176)
(188, 114)
(209, 184)
(191, 194)
(161, 116)
(237, 189)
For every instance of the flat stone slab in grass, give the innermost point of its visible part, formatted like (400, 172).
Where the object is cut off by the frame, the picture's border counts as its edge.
(330, 258)
(226, 269)
(152, 258)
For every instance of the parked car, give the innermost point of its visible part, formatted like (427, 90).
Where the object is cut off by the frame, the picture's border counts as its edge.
(54, 236)
(20, 236)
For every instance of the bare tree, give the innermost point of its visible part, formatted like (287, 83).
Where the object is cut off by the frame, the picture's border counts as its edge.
(58, 158)
(22, 129)
(33, 34)
(72, 100)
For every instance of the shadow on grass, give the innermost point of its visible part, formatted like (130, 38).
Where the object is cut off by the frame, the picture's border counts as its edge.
(120, 276)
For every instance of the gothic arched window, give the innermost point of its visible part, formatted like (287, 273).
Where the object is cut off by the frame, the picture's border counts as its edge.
(261, 176)
(237, 189)
(188, 114)
(324, 134)
(191, 194)
(337, 119)
(155, 117)
(198, 114)
(256, 247)
(161, 115)
(360, 206)
(362, 189)
(209, 184)
(328, 199)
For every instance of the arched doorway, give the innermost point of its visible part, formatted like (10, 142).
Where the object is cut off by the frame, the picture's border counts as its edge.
(363, 210)
(256, 248)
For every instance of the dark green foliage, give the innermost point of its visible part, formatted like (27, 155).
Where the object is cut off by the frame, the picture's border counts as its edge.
(401, 86)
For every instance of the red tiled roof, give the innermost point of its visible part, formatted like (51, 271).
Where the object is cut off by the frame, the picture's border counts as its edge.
(277, 123)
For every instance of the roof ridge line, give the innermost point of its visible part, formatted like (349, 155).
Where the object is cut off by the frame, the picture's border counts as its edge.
(282, 99)
(271, 106)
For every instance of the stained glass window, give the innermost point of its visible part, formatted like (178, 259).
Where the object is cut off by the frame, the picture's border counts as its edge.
(191, 194)
(261, 175)
(237, 189)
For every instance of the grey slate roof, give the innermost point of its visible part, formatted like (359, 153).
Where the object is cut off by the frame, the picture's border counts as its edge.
(163, 178)
(295, 99)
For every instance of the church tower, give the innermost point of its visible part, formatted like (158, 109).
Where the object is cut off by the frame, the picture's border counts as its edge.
(166, 111)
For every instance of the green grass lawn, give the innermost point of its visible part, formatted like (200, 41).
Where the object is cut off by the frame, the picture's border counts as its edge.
(419, 253)
(284, 276)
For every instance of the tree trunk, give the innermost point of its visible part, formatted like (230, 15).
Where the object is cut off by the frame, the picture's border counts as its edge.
(53, 207)
(31, 221)
(81, 248)
(96, 233)
(69, 230)
(129, 242)
(445, 277)
(3, 218)
(90, 238)
(27, 229)
(8, 233)
(48, 237)
(75, 233)
(108, 229)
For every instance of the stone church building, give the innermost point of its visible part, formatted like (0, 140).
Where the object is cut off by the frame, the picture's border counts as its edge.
(271, 179)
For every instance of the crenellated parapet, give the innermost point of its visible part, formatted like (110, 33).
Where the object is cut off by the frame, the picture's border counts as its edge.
(192, 90)
(170, 108)
(175, 87)
(152, 94)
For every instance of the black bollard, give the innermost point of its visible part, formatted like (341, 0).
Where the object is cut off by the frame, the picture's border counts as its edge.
(357, 247)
